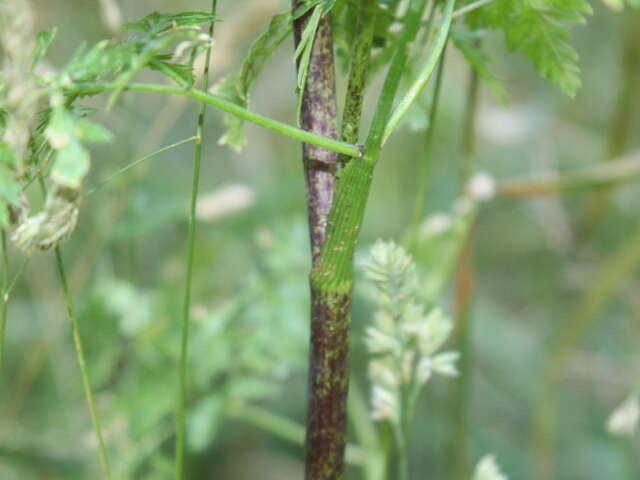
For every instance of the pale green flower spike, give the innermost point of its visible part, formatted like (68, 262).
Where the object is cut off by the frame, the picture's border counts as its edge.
(487, 469)
(404, 339)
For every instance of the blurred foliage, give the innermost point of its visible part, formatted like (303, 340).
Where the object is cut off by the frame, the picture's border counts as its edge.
(533, 258)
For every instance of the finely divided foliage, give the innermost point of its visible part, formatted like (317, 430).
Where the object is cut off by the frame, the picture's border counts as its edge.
(540, 29)
(46, 137)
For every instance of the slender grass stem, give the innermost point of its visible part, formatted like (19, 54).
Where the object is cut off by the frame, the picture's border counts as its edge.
(464, 286)
(424, 75)
(367, 435)
(137, 162)
(77, 342)
(423, 168)
(228, 107)
(186, 307)
(4, 293)
(379, 125)
(86, 382)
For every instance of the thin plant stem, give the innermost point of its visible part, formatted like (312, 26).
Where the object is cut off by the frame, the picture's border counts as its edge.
(137, 162)
(423, 75)
(464, 285)
(4, 293)
(400, 436)
(366, 433)
(227, 107)
(607, 174)
(86, 382)
(379, 129)
(186, 307)
(423, 168)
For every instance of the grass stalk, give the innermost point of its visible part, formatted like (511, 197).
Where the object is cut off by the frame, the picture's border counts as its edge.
(86, 382)
(423, 168)
(424, 74)
(137, 162)
(182, 393)
(464, 282)
(4, 293)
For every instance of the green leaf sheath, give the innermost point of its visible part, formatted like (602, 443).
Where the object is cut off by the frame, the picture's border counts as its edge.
(225, 106)
(334, 271)
(318, 114)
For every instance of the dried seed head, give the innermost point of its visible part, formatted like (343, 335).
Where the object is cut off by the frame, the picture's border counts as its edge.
(54, 225)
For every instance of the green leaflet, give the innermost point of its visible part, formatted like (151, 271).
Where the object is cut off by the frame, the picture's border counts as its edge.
(234, 135)
(237, 88)
(540, 29)
(155, 22)
(65, 134)
(102, 59)
(43, 40)
(179, 73)
(305, 47)
(158, 33)
(262, 48)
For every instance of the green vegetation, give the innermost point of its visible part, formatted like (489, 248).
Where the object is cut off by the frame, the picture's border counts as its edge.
(215, 338)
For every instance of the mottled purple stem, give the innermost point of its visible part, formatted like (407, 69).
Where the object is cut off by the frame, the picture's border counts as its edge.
(318, 115)
(326, 411)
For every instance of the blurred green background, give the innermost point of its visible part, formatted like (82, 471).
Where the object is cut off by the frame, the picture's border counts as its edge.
(537, 271)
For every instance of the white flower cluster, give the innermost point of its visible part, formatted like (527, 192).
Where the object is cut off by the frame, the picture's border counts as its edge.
(404, 339)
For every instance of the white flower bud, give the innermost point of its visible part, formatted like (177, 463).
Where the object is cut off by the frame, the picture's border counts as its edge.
(623, 421)
(487, 469)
